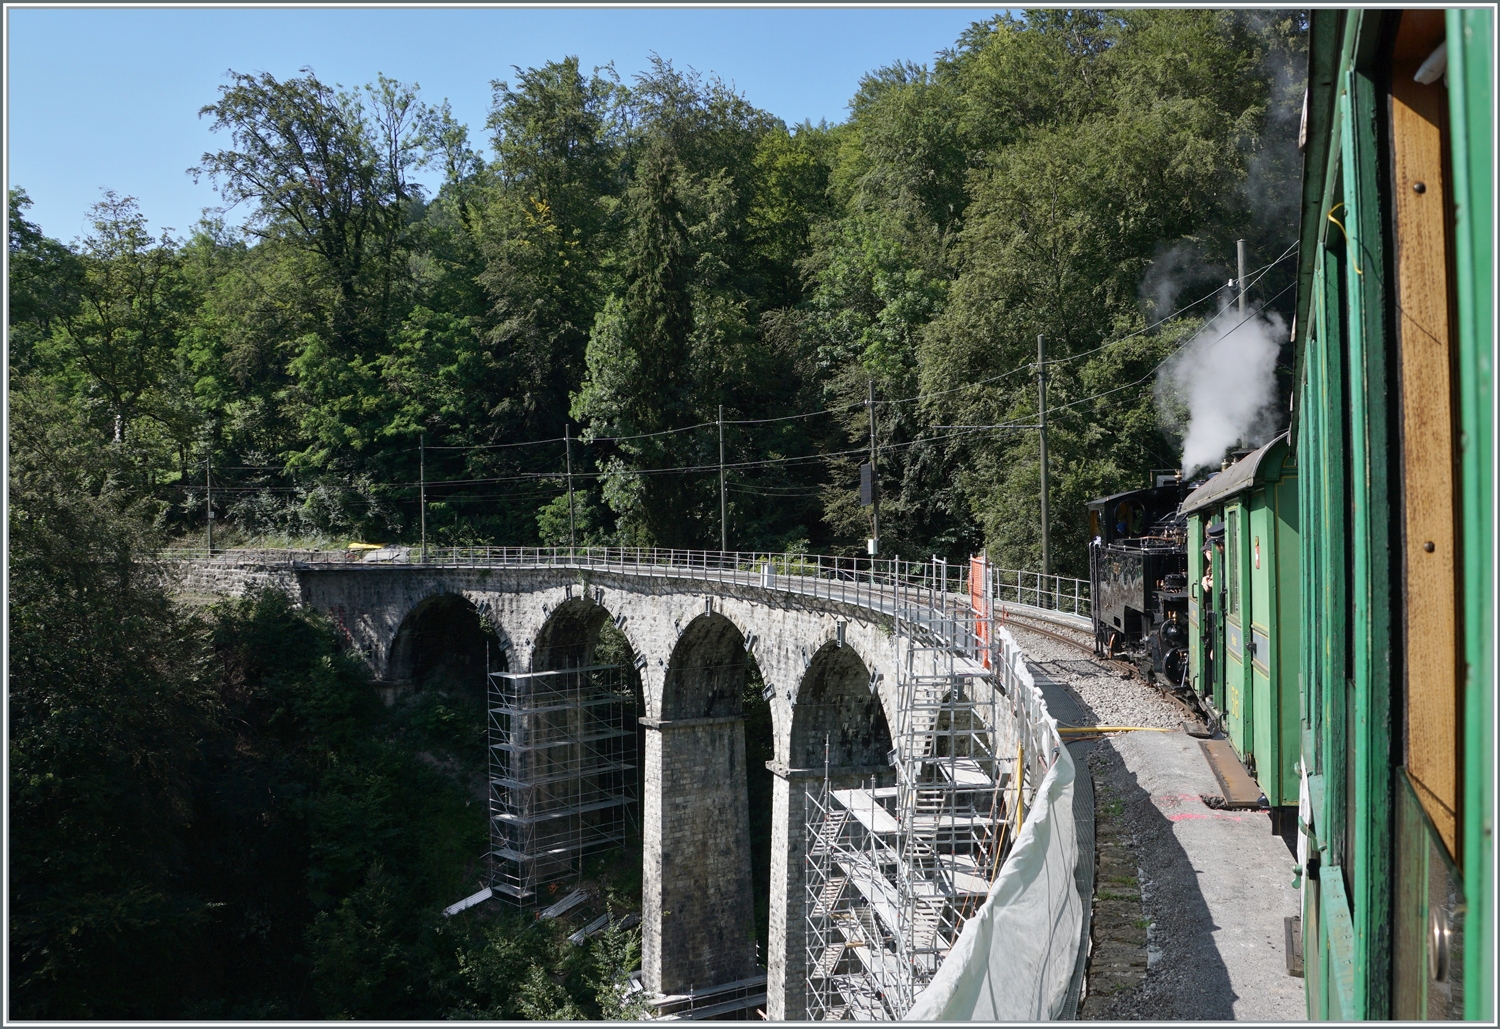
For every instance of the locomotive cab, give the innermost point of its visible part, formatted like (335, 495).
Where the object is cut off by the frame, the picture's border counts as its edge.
(1138, 573)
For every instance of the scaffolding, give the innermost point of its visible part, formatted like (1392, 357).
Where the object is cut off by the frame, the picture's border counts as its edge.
(563, 776)
(894, 872)
(853, 904)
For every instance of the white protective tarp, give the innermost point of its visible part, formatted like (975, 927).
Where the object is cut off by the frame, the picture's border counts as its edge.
(1015, 955)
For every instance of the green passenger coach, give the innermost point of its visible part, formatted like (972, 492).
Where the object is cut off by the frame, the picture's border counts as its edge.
(1243, 600)
(1392, 435)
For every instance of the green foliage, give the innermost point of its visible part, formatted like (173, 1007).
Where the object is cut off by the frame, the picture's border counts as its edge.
(556, 526)
(212, 816)
(676, 337)
(108, 700)
(359, 960)
(507, 972)
(329, 176)
(521, 968)
(1073, 209)
(760, 790)
(615, 952)
(43, 283)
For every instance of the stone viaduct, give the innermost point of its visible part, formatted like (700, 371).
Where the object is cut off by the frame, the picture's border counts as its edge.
(829, 665)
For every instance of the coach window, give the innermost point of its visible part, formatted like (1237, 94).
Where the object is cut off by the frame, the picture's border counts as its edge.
(1232, 557)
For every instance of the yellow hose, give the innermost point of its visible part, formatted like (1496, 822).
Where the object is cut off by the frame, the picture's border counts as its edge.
(1113, 728)
(1357, 269)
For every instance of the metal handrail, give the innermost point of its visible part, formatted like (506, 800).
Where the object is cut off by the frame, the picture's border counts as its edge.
(1051, 592)
(931, 596)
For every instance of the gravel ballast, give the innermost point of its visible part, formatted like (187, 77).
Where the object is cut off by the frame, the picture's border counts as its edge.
(1213, 886)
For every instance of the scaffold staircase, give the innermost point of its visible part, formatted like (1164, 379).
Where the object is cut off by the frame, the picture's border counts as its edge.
(893, 872)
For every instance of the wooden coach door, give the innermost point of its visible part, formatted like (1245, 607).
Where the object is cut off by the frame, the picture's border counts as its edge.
(1236, 631)
(1428, 412)
(1428, 929)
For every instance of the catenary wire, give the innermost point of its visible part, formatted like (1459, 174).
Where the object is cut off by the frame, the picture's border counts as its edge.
(789, 461)
(1257, 274)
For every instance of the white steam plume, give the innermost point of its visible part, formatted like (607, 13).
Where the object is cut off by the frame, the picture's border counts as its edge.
(1226, 379)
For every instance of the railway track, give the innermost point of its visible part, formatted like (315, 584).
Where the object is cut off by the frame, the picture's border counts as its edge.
(1041, 628)
(1194, 716)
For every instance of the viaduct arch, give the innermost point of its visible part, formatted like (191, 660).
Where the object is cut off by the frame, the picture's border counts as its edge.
(444, 634)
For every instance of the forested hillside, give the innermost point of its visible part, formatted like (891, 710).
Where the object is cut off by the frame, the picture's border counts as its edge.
(627, 257)
(635, 255)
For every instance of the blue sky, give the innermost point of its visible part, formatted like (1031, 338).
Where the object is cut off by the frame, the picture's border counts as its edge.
(109, 97)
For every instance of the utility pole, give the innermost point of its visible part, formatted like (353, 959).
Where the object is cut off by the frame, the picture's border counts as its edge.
(422, 466)
(874, 477)
(208, 492)
(1041, 405)
(723, 494)
(1239, 246)
(568, 442)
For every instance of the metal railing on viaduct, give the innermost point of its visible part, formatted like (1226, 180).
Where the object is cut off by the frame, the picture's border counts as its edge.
(862, 581)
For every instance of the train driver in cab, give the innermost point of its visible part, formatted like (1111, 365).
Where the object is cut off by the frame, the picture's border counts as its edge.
(1214, 542)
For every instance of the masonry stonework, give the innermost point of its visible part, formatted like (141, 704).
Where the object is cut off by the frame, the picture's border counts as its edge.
(697, 899)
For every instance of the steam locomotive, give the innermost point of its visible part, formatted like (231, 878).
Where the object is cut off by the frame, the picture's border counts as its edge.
(1138, 578)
